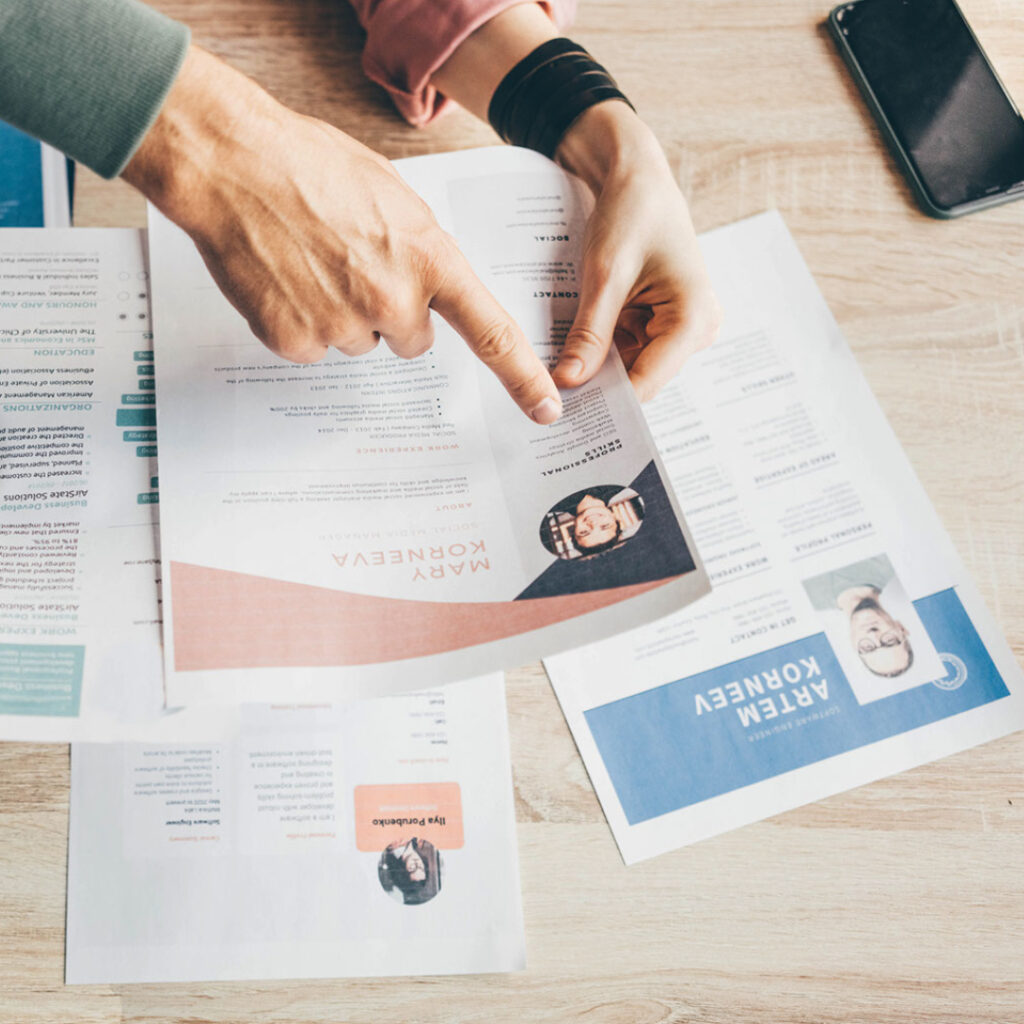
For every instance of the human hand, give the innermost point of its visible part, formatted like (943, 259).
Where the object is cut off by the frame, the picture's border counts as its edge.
(644, 284)
(316, 239)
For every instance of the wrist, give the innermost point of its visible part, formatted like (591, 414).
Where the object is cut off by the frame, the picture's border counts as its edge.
(479, 63)
(211, 112)
(604, 143)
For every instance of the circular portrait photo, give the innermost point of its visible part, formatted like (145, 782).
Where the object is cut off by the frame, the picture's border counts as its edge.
(593, 521)
(410, 871)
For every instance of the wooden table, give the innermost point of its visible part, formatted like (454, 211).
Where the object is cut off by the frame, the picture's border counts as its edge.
(901, 901)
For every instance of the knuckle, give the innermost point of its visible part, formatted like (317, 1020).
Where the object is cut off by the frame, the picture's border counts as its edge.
(420, 346)
(440, 243)
(436, 254)
(413, 334)
(497, 344)
(408, 349)
(424, 339)
(294, 345)
(305, 355)
(394, 306)
(582, 339)
(284, 334)
(356, 346)
(527, 388)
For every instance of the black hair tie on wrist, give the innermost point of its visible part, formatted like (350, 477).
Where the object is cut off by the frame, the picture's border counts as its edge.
(538, 100)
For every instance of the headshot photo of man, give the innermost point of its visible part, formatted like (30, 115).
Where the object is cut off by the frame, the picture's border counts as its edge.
(877, 636)
(882, 643)
(410, 871)
(590, 522)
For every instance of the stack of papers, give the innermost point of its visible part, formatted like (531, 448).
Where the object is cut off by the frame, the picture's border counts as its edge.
(344, 529)
(284, 776)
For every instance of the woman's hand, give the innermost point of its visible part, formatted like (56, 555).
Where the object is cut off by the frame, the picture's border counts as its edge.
(314, 238)
(644, 285)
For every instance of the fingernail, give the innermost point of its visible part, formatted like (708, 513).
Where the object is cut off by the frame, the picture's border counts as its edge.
(546, 411)
(571, 367)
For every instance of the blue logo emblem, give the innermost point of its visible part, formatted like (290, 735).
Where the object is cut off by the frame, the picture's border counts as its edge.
(956, 675)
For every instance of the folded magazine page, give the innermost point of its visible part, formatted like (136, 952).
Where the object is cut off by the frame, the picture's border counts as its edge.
(843, 640)
(374, 838)
(362, 525)
(80, 653)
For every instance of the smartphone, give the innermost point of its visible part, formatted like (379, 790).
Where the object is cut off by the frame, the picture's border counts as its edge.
(939, 102)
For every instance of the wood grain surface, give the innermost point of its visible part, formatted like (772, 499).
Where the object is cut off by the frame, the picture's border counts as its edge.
(902, 901)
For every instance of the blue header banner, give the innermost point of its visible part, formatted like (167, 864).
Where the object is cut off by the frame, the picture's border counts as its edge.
(708, 734)
(21, 179)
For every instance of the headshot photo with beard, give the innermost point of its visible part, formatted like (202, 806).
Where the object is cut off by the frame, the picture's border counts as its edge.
(875, 631)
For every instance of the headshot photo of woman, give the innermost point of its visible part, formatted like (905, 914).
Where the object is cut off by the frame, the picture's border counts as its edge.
(591, 522)
(410, 871)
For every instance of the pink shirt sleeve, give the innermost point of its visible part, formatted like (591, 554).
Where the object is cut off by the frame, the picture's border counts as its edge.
(408, 40)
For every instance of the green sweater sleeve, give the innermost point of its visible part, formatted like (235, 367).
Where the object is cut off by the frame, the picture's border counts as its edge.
(87, 76)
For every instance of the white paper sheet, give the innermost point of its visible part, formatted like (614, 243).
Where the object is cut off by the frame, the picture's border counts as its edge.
(56, 188)
(843, 640)
(265, 855)
(79, 609)
(406, 523)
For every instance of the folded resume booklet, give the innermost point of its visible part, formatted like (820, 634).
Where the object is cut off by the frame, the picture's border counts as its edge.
(365, 524)
(374, 838)
(843, 640)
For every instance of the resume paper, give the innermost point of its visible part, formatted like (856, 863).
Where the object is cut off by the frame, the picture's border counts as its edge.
(80, 650)
(360, 525)
(375, 838)
(843, 640)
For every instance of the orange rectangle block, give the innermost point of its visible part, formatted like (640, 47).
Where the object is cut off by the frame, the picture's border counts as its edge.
(398, 813)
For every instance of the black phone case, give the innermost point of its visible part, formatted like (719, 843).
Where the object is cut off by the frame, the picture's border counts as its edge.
(890, 136)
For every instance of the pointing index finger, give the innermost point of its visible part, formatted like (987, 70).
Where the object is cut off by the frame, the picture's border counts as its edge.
(497, 340)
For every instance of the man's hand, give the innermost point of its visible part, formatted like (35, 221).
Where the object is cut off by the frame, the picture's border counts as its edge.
(316, 239)
(644, 283)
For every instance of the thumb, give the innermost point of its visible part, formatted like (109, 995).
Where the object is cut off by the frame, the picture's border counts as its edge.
(497, 340)
(602, 298)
